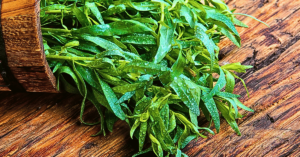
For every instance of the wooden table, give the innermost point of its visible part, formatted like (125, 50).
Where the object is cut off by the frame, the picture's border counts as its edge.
(40, 124)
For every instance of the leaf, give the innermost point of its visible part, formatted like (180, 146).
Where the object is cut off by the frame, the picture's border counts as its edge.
(241, 81)
(95, 11)
(239, 104)
(79, 53)
(128, 88)
(188, 15)
(111, 119)
(142, 152)
(234, 38)
(144, 67)
(164, 114)
(111, 98)
(228, 95)
(156, 146)
(230, 82)
(97, 105)
(213, 14)
(83, 91)
(224, 111)
(145, 116)
(57, 66)
(252, 18)
(80, 16)
(143, 6)
(134, 127)
(193, 117)
(219, 85)
(166, 37)
(232, 103)
(114, 10)
(178, 153)
(178, 66)
(142, 105)
(183, 136)
(187, 123)
(89, 76)
(186, 44)
(131, 56)
(211, 107)
(219, 4)
(239, 23)
(88, 46)
(54, 7)
(67, 86)
(204, 110)
(139, 39)
(172, 123)
(209, 44)
(101, 63)
(206, 129)
(237, 67)
(101, 42)
(179, 132)
(188, 140)
(125, 97)
(100, 98)
(154, 112)
(142, 135)
(189, 97)
(115, 28)
(110, 53)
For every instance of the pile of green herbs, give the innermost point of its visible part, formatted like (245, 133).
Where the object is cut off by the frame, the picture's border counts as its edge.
(153, 64)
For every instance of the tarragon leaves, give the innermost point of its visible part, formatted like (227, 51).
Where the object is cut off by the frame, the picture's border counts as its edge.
(212, 109)
(213, 14)
(166, 36)
(144, 6)
(188, 92)
(139, 39)
(144, 67)
(208, 43)
(188, 15)
(80, 16)
(153, 64)
(112, 98)
(101, 42)
(92, 6)
(115, 28)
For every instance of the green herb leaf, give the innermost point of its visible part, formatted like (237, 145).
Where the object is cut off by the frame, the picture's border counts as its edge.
(166, 37)
(111, 98)
(115, 28)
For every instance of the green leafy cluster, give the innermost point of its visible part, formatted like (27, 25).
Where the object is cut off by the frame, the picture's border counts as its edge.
(153, 64)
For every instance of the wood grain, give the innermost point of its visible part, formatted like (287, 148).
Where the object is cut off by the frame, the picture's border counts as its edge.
(37, 124)
(24, 47)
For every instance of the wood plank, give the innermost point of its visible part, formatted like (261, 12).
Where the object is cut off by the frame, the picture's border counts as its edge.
(273, 84)
(48, 125)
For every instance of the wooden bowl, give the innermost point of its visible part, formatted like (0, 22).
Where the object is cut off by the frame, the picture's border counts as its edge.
(20, 20)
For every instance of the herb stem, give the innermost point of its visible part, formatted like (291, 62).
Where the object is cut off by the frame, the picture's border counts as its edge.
(56, 12)
(55, 57)
(55, 30)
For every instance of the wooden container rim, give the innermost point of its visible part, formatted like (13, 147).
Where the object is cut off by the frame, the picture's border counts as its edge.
(20, 9)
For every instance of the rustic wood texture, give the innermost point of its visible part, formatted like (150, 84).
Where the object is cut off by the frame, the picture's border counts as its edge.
(24, 48)
(37, 124)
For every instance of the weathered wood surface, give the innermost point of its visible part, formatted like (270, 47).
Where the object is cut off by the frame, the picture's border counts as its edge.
(37, 124)
(23, 43)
